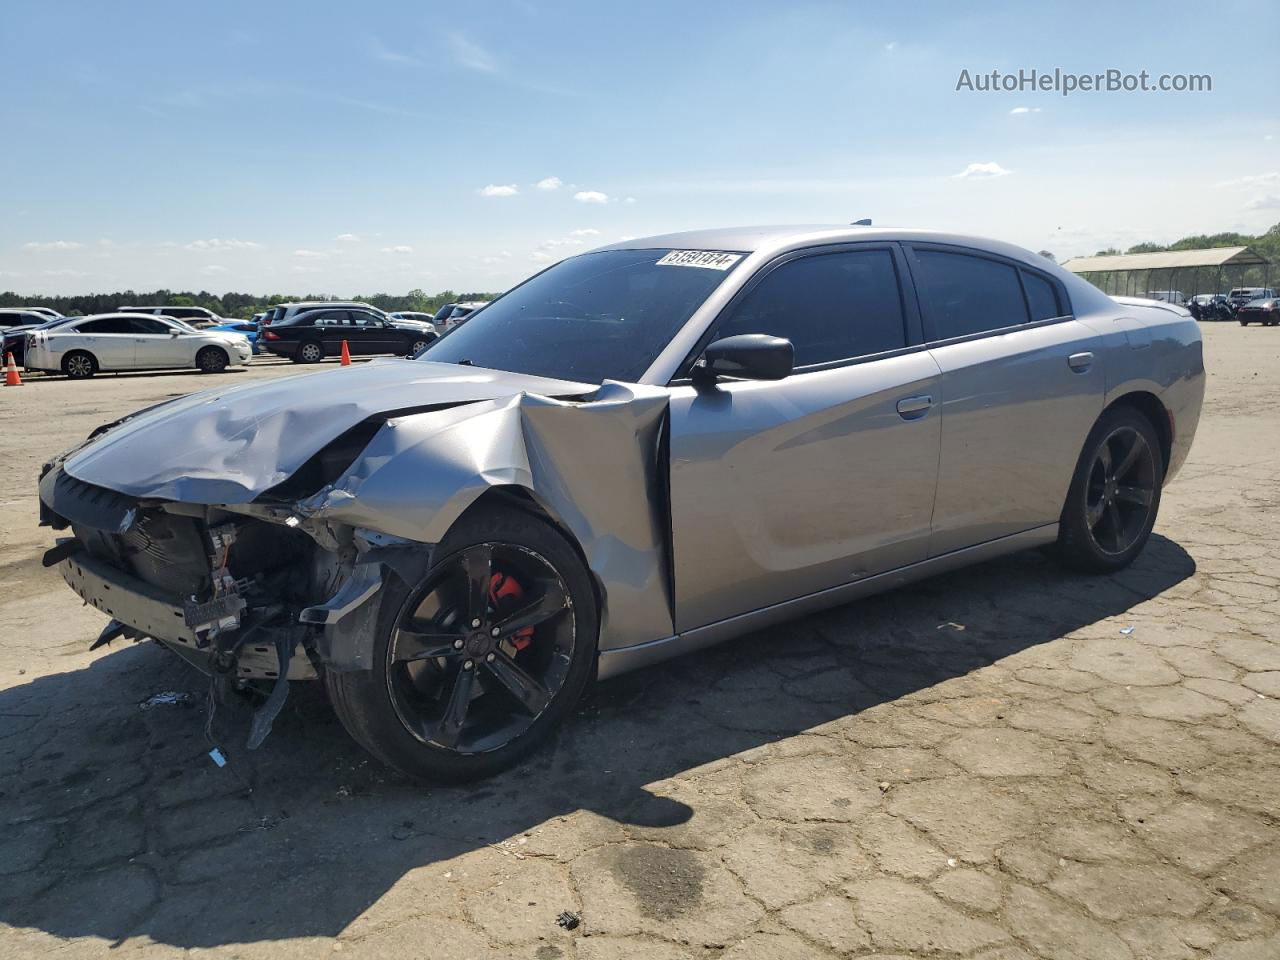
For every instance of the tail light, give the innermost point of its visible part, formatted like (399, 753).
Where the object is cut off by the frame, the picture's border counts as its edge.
(271, 335)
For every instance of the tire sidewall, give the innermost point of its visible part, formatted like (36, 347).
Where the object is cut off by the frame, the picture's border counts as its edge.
(1075, 540)
(380, 729)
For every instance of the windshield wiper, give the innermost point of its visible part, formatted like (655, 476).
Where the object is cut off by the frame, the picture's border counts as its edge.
(466, 363)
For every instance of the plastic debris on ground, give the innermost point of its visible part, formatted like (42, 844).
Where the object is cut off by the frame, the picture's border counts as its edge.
(170, 698)
(569, 920)
(218, 757)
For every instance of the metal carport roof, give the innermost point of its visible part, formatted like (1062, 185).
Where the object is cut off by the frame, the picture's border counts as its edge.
(1168, 260)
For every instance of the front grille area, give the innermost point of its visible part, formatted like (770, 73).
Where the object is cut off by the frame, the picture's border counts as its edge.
(64, 499)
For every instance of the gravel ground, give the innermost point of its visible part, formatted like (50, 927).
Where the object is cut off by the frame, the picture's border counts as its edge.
(1004, 762)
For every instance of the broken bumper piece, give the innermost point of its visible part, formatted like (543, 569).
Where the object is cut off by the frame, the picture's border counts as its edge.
(153, 613)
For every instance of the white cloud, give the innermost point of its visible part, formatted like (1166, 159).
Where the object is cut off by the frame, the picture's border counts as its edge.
(586, 232)
(65, 273)
(301, 268)
(471, 55)
(629, 200)
(982, 171)
(540, 256)
(591, 196)
(891, 46)
(1257, 180)
(309, 253)
(1270, 201)
(216, 244)
(52, 245)
(1018, 111)
(569, 242)
(212, 270)
(496, 258)
(347, 238)
(549, 183)
(398, 248)
(380, 52)
(499, 190)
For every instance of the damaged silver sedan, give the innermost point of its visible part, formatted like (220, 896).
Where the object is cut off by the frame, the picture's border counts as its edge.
(640, 451)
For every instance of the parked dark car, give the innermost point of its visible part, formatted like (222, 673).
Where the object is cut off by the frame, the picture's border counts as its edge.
(310, 337)
(15, 334)
(1265, 313)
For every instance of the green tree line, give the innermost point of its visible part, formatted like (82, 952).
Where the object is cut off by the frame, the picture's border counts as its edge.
(232, 305)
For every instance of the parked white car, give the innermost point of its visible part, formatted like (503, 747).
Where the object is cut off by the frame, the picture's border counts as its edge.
(109, 342)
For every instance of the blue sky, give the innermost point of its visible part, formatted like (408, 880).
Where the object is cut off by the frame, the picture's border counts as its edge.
(347, 148)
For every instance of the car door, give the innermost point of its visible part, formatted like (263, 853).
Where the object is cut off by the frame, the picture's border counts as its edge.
(370, 335)
(332, 327)
(1022, 385)
(159, 344)
(109, 339)
(780, 489)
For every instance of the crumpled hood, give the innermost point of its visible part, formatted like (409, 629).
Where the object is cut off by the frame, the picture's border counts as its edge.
(230, 445)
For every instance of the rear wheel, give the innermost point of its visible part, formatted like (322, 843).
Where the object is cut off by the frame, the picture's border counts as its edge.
(79, 365)
(310, 351)
(1115, 494)
(418, 346)
(212, 360)
(481, 661)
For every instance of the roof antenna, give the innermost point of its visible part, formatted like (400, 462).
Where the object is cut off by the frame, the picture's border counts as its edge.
(861, 223)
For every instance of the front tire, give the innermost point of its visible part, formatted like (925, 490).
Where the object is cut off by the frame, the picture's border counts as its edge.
(79, 365)
(212, 360)
(447, 700)
(1114, 497)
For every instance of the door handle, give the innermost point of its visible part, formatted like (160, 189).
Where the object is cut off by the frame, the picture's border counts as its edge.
(1080, 362)
(913, 408)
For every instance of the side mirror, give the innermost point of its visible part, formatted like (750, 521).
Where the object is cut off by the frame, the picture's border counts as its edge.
(751, 356)
(175, 333)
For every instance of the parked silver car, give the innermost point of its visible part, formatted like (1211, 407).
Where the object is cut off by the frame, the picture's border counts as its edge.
(640, 451)
(110, 342)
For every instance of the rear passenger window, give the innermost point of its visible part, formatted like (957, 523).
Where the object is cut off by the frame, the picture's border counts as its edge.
(1042, 297)
(106, 325)
(963, 295)
(833, 306)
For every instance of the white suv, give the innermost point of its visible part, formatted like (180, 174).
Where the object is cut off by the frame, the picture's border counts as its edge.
(109, 342)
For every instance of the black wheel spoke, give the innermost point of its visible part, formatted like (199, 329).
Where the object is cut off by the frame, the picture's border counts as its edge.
(425, 641)
(1104, 458)
(1130, 458)
(477, 562)
(552, 601)
(455, 711)
(1115, 523)
(531, 694)
(1095, 511)
(1140, 496)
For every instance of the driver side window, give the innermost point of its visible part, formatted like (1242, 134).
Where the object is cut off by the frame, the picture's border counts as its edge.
(831, 306)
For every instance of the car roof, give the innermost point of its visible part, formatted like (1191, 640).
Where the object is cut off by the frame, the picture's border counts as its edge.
(778, 239)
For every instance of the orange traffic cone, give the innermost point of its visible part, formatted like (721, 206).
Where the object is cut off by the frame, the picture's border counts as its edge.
(11, 378)
(346, 355)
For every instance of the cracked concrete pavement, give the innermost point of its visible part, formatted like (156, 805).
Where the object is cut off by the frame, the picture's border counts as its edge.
(1005, 762)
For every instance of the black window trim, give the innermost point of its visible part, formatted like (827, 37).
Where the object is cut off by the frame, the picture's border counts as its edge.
(910, 248)
(911, 318)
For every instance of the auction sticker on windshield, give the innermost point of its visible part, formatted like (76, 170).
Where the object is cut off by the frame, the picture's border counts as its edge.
(707, 259)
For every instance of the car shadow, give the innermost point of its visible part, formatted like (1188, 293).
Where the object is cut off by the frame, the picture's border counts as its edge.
(118, 824)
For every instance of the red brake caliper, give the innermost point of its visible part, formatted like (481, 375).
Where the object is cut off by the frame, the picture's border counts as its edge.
(504, 591)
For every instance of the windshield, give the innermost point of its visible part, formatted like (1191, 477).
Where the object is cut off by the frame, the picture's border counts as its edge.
(183, 324)
(600, 316)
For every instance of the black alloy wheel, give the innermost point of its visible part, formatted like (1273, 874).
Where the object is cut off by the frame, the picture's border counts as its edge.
(479, 652)
(1121, 490)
